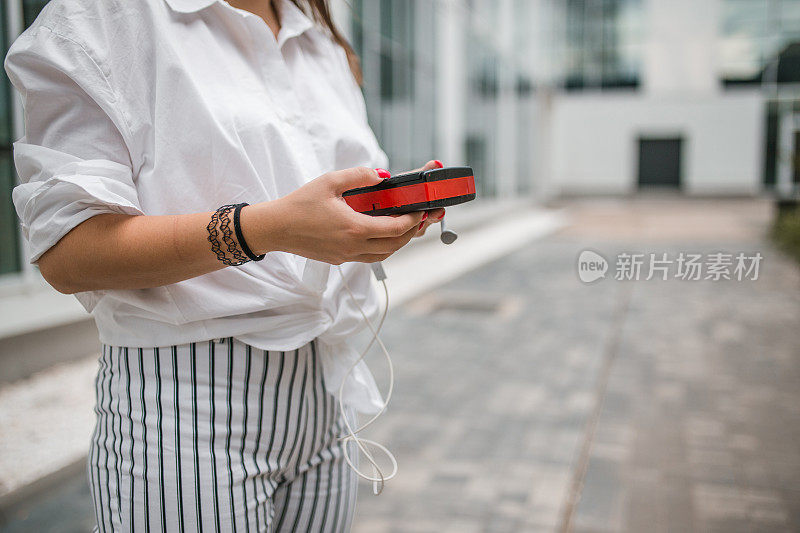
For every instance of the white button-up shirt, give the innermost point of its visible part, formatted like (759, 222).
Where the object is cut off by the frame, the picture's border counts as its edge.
(161, 107)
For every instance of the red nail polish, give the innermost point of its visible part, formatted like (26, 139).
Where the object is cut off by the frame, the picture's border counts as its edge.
(383, 173)
(424, 216)
(420, 226)
(438, 163)
(441, 217)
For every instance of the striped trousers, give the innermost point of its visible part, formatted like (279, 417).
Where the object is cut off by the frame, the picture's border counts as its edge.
(218, 436)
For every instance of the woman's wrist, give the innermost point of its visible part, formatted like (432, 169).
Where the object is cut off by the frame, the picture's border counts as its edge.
(261, 226)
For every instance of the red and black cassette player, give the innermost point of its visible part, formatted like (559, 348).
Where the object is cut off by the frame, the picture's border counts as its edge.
(414, 191)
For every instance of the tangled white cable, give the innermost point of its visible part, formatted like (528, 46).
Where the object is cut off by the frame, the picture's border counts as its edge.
(378, 479)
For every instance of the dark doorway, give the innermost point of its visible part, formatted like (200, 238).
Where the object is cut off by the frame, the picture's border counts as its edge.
(796, 158)
(660, 162)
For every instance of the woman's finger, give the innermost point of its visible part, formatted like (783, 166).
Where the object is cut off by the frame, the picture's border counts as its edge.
(387, 245)
(383, 226)
(434, 217)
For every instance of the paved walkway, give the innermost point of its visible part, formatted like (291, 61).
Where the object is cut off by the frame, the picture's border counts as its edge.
(528, 401)
(618, 406)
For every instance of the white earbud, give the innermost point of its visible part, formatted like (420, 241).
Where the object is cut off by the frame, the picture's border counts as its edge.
(447, 236)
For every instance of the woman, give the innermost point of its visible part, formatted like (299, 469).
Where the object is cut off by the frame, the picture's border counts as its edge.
(150, 127)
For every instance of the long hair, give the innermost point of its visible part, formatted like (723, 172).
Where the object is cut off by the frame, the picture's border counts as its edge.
(320, 11)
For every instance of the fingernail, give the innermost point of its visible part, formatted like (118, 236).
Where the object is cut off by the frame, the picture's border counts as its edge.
(420, 226)
(383, 173)
(438, 163)
(441, 216)
(424, 216)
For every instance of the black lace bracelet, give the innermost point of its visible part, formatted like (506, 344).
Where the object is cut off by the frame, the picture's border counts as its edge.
(237, 251)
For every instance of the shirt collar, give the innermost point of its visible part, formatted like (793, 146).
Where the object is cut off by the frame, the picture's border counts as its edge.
(293, 21)
(189, 6)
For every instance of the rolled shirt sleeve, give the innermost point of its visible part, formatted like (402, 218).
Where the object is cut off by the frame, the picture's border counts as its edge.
(74, 161)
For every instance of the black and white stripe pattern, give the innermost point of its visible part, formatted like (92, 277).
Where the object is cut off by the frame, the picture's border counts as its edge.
(217, 436)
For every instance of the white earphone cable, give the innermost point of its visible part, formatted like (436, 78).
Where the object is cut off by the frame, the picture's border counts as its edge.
(379, 478)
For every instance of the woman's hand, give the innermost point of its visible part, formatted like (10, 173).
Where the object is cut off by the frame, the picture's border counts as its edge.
(315, 222)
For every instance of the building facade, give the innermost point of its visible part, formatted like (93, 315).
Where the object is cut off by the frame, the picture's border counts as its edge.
(551, 97)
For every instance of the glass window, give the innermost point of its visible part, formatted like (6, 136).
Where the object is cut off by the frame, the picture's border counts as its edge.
(484, 64)
(395, 41)
(790, 14)
(753, 34)
(358, 27)
(10, 252)
(397, 49)
(602, 43)
(9, 241)
(31, 9)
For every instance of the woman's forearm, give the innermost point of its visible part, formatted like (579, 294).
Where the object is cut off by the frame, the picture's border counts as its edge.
(115, 251)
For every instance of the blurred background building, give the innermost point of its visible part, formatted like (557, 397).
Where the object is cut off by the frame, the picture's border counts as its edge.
(550, 97)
